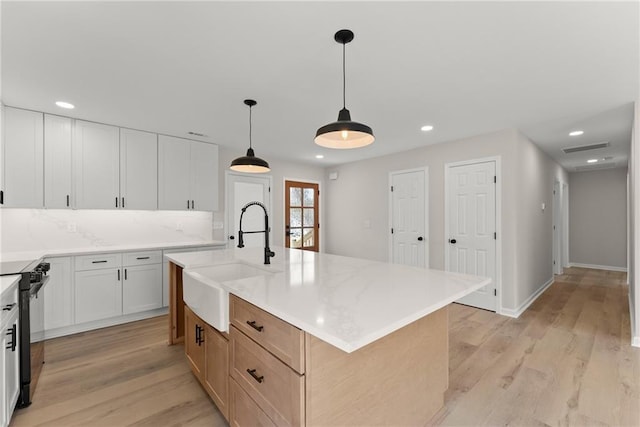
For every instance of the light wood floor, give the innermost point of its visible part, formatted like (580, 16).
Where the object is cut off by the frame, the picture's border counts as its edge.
(565, 361)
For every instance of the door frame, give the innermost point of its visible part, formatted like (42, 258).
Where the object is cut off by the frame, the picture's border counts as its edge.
(321, 224)
(558, 215)
(227, 191)
(424, 169)
(447, 166)
(565, 225)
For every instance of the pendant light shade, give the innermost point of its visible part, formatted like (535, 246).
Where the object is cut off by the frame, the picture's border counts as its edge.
(344, 133)
(250, 163)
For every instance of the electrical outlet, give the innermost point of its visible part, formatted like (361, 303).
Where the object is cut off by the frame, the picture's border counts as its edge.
(178, 226)
(218, 225)
(72, 227)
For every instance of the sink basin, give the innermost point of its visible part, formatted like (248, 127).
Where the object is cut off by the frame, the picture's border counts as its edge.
(202, 292)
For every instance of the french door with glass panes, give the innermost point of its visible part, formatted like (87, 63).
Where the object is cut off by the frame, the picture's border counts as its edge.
(301, 215)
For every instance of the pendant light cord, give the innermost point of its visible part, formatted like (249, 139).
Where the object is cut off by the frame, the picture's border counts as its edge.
(250, 108)
(344, 78)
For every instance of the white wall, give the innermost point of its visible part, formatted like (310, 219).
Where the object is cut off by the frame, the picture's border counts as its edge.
(535, 176)
(361, 194)
(36, 229)
(634, 227)
(280, 170)
(598, 218)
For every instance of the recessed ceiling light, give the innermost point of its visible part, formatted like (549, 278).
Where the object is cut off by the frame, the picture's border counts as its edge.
(319, 156)
(66, 105)
(426, 128)
(592, 161)
(576, 133)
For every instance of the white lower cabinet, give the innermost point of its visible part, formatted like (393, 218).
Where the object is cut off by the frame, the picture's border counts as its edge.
(142, 288)
(58, 294)
(110, 285)
(98, 294)
(9, 367)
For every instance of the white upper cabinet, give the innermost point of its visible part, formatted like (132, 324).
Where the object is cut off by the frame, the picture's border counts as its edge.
(138, 170)
(22, 159)
(96, 165)
(204, 176)
(173, 172)
(57, 162)
(188, 174)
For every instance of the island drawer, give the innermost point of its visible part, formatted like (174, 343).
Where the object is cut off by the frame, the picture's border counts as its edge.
(244, 411)
(98, 261)
(283, 340)
(142, 258)
(276, 388)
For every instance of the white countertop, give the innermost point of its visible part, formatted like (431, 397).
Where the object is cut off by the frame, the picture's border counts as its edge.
(347, 302)
(30, 256)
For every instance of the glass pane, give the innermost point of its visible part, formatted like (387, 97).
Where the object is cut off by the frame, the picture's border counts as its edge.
(308, 217)
(295, 238)
(295, 217)
(308, 197)
(307, 240)
(295, 196)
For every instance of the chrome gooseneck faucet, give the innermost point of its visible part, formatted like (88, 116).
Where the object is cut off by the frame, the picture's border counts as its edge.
(268, 253)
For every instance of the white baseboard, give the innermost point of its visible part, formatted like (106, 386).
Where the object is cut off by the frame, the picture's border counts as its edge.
(517, 312)
(635, 339)
(598, 267)
(104, 323)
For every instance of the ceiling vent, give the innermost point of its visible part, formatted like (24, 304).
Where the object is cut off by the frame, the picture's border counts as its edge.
(597, 166)
(570, 150)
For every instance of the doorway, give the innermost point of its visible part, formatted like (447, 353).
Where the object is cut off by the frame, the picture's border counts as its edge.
(471, 226)
(408, 217)
(302, 224)
(240, 190)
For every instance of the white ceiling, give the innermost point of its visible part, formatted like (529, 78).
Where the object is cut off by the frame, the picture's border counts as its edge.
(467, 68)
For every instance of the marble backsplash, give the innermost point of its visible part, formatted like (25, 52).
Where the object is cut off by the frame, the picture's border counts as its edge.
(42, 229)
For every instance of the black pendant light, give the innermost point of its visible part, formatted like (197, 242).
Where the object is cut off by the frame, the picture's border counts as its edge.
(250, 163)
(344, 133)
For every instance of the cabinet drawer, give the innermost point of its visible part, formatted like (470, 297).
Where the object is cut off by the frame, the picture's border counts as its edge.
(99, 261)
(277, 389)
(141, 258)
(244, 411)
(283, 340)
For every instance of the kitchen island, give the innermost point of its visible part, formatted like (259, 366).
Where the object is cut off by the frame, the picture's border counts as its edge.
(356, 342)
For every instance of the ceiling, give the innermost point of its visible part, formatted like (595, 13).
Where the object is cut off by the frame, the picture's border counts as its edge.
(467, 68)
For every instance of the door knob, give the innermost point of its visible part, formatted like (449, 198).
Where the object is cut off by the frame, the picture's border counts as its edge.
(452, 241)
(232, 237)
(420, 239)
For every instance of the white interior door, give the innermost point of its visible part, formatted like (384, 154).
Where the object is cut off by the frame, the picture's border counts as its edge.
(242, 189)
(409, 243)
(471, 226)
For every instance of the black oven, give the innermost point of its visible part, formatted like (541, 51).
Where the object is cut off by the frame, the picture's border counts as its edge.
(31, 320)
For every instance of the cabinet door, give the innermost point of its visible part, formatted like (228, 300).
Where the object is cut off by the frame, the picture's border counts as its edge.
(138, 169)
(11, 364)
(216, 370)
(173, 173)
(58, 294)
(23, 152)
(194, 342)
(98, 295)
(204, 176)
(57, 162)
(96, 170)
(142, 288)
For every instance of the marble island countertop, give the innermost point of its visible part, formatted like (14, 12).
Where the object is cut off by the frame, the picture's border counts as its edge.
(346, 302)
